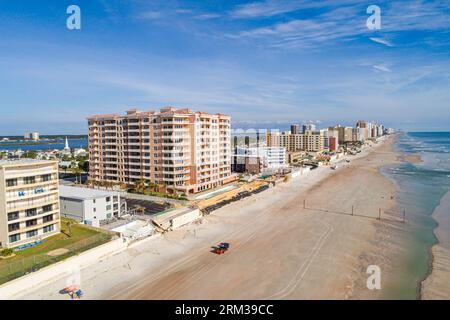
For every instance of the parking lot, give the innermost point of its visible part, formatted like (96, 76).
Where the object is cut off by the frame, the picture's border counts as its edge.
(150, 207)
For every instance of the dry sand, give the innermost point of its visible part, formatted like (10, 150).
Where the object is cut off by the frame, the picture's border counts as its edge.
(437, 284)
(279, 250)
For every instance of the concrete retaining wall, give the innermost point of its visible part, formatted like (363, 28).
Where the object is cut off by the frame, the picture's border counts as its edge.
(300, 172)
(61, 269)
(186, 218)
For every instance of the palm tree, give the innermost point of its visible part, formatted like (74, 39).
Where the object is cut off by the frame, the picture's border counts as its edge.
(152, 186)
(139, 186)
(77, 171)
(69, 226)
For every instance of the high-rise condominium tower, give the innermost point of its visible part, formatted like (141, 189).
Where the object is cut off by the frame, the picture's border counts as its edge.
(183, 150)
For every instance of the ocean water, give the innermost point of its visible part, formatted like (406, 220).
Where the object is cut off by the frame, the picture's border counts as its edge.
(44, 145)
(420, 189)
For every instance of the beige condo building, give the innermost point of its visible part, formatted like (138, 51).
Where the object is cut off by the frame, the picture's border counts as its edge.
(183, 150)
(29, 201)
(308, 141)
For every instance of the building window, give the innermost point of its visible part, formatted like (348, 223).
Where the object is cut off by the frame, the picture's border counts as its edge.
(14, 238)
(13, 216)
(108, 199)
(46, 177)
(31, 223)
(47, 218)
(29, 180)
(11, 182)
(108, 207)
(32, 233)
(13, 227)
(48, 228)
(47, 208)
(31, 212)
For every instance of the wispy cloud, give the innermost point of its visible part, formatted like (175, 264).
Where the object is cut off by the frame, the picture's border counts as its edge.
(150, 15)
(333, 23)
(208, 16)
(269, 8)
(382, 68)
(382, 41)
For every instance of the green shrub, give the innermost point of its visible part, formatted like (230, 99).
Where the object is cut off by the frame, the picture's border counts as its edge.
(6, 252)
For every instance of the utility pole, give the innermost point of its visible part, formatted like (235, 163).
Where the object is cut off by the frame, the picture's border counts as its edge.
(404, 215)
(379, 213)
(352, 210)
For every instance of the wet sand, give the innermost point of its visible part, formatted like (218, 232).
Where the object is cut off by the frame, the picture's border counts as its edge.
(437, 284)
(412, 158)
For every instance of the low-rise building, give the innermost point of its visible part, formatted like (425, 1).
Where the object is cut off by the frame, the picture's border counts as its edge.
(90, 206)
(293, 157)
(29, 201)
(255, 160)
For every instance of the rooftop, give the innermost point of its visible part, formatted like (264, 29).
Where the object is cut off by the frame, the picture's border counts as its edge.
(167, 110)
(18, 162)
(83, 193)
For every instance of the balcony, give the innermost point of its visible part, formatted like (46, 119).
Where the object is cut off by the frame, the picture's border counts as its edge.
(30, 204)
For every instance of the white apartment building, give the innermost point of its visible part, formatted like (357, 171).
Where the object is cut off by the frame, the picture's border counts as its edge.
(180, 149)
(90, 206)
(257, 159)
(35, 136)
(29, 201)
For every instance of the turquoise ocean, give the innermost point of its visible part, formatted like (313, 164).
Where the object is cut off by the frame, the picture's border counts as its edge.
(420, 187)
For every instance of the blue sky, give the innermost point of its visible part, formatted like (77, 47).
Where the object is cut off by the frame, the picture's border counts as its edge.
(266, 63)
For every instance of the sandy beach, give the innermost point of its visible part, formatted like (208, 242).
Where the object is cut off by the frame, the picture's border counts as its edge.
(437, 284)
(279, 250)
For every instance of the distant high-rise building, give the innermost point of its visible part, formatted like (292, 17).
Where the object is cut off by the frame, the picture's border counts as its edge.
(309, 127)
(27, 136)
(308, 141)
(179, 149)
(295, 129)
(35, 136)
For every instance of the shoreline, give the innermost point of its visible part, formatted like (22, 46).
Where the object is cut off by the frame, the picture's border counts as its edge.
(434, 286)
(427, 287)
(300, 241)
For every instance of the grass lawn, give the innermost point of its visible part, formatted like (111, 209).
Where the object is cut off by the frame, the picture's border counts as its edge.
(80, 238)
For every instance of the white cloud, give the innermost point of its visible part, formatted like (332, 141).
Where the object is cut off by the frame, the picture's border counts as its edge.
(338, 21)
(150, 15)
(208, 16)
(382, 41)
(269, 8)
(382, 68)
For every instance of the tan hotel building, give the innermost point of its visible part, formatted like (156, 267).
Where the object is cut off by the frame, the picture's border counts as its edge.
(308, 141)
(184, 150)
(29, 201)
